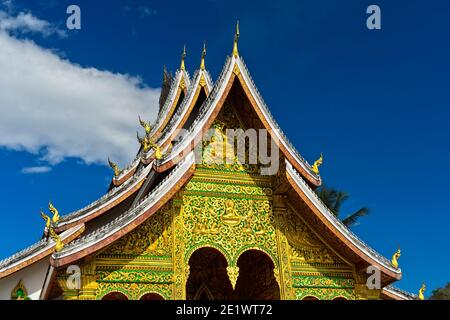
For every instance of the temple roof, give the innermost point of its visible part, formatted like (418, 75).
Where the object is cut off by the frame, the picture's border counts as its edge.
(130, 219)
(176, 168)
(398, 294)
(235, 67)
(36, 252)
(128, 186)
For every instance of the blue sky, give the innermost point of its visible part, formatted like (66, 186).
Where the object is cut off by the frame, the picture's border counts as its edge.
(376, 103)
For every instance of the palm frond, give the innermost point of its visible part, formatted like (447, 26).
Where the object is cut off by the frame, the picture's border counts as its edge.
(339, 199)
(353, 218)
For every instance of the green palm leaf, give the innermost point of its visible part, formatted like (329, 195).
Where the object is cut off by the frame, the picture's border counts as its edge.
(353, 218)
(334, 199)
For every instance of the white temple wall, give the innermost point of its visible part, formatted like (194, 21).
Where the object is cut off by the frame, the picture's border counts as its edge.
(33, 278)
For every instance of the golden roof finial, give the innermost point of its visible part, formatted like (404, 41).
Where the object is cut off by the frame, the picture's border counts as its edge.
(236, 38)
(395, 258)
(183, 55)
(54, 211)
(47, 219)
(115, 167)
(202, 63)
(317, 164)
(59, 245)
(422, 291)
(146, 125)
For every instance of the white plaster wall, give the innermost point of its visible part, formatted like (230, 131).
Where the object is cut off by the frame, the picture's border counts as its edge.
(32, 276)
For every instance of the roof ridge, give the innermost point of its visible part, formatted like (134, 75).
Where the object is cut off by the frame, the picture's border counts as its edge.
(339, 223)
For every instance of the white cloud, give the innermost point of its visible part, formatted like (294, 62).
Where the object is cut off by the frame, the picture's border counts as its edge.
(25, 22)
(56, 109)
(34, 170)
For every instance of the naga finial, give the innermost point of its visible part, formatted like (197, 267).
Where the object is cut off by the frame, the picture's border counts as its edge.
(145, 143)
(148, 144)
(59, 245)
(47, 219)
(422, 291)
(115, 167)
(146, 125)
(395, 258)
(202, 63)
(158, 153)
(317, 164)
(54, 211)
(183, 55)
(236, 38)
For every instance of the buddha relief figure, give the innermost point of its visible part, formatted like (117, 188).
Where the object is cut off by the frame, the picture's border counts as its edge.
(230, 217)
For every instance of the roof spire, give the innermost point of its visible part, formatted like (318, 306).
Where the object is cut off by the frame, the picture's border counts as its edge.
(236, 38)
(202, 63)
(183, 55)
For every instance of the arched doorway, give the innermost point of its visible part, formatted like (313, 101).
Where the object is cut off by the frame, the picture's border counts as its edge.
(310, 298)
(208, 278)
(151, 296)
(256, 279)
(115, 296)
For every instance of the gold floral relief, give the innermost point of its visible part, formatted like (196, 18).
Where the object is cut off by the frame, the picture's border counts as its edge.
(152, 238)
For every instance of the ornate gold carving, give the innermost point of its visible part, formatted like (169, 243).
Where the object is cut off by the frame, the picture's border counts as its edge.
(152, 238)
(182, 84)
(47, 220)
(50, 221)
(395, 258)
(146, 125)
(133, 291)
(115, 167)
(317, 164)
(54, 211)
(422, 292)
(230, 217)
(148, 144)
(233, 274)
(202, 81)
(276, 274)
(202, 228)
(59, 245)
(305, 246)
(19, 292)
(236, 70)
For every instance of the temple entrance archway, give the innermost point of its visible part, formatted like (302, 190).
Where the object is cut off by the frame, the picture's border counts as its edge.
(310, 298)
(115, 296)
(151, 296)
(208, 278)
(256, 279)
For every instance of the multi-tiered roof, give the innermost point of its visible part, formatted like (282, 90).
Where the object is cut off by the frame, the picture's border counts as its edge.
(143, 187)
